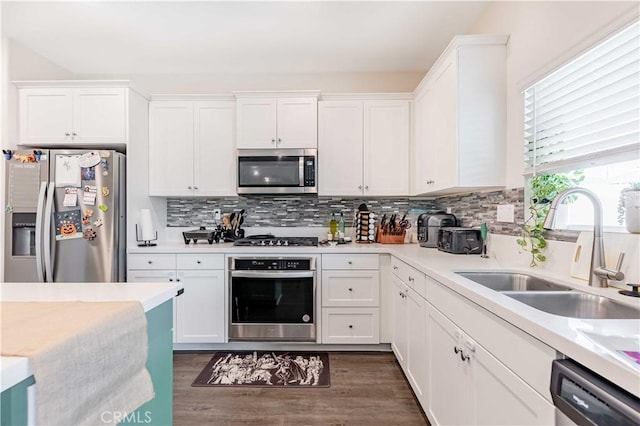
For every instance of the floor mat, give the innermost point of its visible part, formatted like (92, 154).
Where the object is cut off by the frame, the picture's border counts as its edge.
(267, 369)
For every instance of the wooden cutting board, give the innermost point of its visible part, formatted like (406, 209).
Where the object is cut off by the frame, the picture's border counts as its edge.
(581, 260)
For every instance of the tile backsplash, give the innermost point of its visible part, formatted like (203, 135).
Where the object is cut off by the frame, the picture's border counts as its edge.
(471, 209)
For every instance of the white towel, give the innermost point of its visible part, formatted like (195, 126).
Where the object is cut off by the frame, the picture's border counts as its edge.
(88, 359)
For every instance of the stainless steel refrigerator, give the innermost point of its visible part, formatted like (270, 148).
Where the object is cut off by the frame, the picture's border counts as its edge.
(65, 216)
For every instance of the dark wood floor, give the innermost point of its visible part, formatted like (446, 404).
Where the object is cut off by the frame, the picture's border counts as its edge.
(366, 389)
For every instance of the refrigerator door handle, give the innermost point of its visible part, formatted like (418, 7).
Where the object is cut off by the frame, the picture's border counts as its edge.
(39, 214)
(48, 212)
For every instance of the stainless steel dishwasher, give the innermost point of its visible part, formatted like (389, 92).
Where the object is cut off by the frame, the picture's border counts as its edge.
(589, 399)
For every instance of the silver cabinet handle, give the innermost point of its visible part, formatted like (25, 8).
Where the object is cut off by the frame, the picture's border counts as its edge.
(198, 262)
(188, 187)
(366, 187)
(67, 134)
(349, 262)
(74, 134)
(359, 186)
(195, 187)
(411, 279)
(150, 262)
(273, 141)
(279, 140)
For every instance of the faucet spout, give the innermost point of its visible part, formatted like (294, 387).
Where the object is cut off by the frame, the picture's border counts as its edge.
(598, 273)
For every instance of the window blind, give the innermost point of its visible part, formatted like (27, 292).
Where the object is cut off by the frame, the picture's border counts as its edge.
(588, 111)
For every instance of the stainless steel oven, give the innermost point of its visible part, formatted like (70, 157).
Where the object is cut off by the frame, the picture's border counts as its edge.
(277, 171)
(272, 298)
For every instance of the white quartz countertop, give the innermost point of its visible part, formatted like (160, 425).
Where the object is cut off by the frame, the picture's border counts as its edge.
(596, 344)
(15, 369)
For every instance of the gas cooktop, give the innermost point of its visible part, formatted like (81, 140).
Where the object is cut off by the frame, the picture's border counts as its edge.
(269, 240)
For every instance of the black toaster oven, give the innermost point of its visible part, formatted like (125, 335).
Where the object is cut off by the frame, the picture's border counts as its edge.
(460, 240)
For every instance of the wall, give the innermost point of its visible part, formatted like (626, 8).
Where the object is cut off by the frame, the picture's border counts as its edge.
(544, 35)
(227, 83)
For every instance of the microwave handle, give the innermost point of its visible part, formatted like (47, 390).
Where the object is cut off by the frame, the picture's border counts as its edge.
(301, 170)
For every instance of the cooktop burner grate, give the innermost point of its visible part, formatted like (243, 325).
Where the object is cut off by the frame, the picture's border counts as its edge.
(271, 241)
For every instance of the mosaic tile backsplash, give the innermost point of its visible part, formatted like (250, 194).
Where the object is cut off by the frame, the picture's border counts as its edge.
(471, 209)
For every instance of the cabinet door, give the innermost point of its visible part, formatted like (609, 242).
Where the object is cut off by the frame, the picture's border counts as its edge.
(417, 344)
(449, 389)
(45, 116)
(340, 148)
(425, 155)
(256, 123)
(200, 309)
(170, 148)
(399, 338)
(502, 398)
(100, 115)
(386, 148)
(214, 148)
(446, 128)
(297, 123)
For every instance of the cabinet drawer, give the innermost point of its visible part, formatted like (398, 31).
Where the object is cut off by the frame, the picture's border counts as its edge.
(200, 261)
(350, 288)
(151, 261)
(351, 325)
(410, 276)
(350, 261)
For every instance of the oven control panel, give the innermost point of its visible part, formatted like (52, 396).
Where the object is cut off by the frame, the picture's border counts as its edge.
(289, 264)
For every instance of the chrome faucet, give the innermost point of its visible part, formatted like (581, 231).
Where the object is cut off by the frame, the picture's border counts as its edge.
(598, 272)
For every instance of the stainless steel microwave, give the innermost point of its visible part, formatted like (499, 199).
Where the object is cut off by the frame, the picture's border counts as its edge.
(277, 171)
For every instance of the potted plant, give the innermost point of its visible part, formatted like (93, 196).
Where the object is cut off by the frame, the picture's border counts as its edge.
(544, 188)
(629, 207)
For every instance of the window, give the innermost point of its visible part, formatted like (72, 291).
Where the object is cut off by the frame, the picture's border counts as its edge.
(586, 115)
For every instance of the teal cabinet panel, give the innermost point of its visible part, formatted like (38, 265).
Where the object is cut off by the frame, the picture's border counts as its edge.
(158, 411)
(13, 404)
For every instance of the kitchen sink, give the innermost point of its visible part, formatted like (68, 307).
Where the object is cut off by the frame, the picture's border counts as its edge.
(512, 281)
(577, 305)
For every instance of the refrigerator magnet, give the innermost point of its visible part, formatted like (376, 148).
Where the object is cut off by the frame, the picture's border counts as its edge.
(89, 234)
(88, 173)
(105, 166)
(98, 223)
(68, 224)
(89, 159)
(105, 154)
(8, 209)
(103, 207)
(105, 191)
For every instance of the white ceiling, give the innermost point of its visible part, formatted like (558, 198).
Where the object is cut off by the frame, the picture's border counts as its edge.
(238, 37)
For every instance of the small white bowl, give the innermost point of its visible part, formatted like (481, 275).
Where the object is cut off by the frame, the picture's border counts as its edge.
(333, 243)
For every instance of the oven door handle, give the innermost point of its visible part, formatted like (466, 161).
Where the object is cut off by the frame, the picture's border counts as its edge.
(272, 274)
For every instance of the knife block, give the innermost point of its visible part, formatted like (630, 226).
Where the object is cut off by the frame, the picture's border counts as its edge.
(394, 237)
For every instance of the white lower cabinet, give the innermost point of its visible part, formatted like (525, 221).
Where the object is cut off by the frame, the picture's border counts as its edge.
(199, 312)
(350, 294)
(409, 329)
(350, 326)
(467, 385)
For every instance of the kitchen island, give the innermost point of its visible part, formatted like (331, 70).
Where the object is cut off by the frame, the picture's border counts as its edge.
(156, 300)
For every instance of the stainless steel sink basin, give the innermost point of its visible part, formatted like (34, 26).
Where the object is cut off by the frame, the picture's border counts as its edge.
(577, 305)
(511, 281)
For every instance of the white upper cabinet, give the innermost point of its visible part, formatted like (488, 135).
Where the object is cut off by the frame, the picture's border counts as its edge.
(277, 122)
(363, 147)
(72, 116)
(191, 148)
(340, 148)
(460, 119)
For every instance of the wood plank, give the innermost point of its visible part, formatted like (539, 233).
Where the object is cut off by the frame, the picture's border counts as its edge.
(366, 388)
